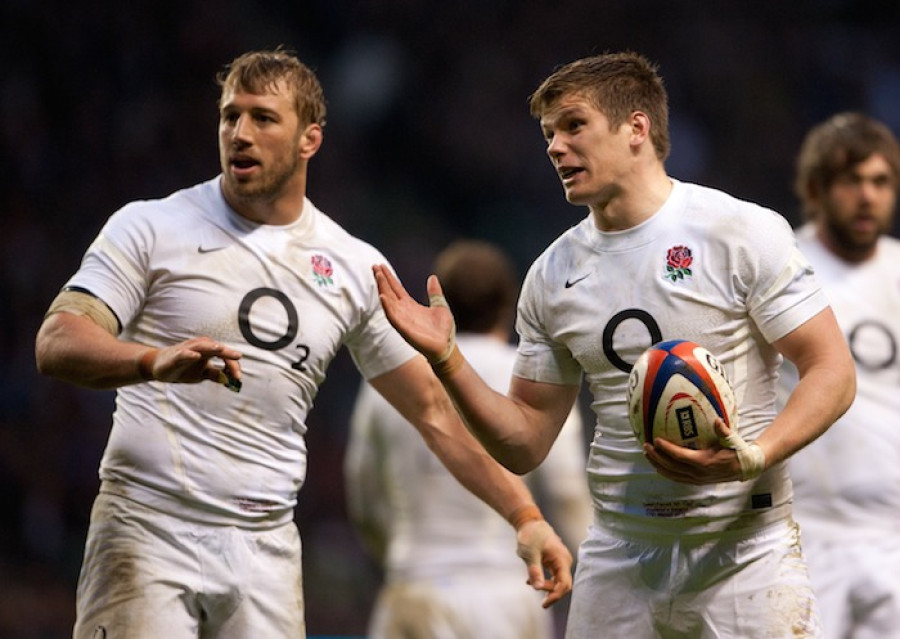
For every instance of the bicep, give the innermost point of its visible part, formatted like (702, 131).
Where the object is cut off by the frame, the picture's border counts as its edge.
(817, 342)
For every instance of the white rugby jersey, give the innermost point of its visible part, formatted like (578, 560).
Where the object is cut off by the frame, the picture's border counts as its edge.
(435, 527)
(706, 267)
(287, 297)
(847, 482)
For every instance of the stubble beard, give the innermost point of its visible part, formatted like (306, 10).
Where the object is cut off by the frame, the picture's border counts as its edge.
(853, 243)
(268, 186)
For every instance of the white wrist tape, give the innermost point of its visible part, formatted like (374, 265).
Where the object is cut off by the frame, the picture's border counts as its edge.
(750, 456)
(440, 300)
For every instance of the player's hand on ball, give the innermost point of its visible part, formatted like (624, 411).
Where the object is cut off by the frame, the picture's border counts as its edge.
(705, 466)
(429, 329)
(548, 560)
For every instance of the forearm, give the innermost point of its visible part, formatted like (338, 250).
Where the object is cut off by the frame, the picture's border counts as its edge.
(75, 349)
(825, 391)
(823, 394)
(472, 466)
(420, 398)
(503, 426)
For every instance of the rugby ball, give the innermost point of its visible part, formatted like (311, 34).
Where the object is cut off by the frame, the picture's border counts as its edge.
(675, 391)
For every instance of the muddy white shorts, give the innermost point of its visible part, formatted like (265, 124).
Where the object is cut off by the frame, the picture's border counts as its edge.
(148, 575)
(729, 586)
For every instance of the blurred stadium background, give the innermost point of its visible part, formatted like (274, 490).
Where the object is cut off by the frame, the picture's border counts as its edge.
(428, 139)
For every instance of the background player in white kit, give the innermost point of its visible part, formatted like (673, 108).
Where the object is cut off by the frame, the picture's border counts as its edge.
(686, 543)
(240, 279)
(847, 483)
(448, 570)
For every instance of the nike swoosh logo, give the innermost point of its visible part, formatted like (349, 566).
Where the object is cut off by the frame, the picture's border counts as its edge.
(571, 283)
(210, 249)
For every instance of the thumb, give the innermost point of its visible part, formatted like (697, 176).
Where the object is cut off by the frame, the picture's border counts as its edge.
(531, 537)
(433, 286)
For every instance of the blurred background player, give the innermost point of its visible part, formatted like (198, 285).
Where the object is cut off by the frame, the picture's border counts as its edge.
(449, 573)
(239, 280)
(685, 543)
(847, 483)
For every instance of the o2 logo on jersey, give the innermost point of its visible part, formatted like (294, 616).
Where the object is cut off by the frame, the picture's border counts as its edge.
(609, 332)
(282, 341)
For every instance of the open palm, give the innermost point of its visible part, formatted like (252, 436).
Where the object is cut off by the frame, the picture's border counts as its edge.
(429, 329)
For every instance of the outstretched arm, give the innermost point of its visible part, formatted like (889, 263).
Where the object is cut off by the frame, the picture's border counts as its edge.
(517, 429)
(415, 392)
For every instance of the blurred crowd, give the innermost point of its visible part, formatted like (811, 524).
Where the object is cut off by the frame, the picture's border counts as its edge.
(428, 139)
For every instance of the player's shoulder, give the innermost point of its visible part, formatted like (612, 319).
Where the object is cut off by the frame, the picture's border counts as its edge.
(334, 235)
(707, 199)
(562, 254)
(180, 209)
(732, 219)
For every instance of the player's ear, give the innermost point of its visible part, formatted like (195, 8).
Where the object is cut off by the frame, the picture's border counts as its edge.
(640, 128)
(311, 140)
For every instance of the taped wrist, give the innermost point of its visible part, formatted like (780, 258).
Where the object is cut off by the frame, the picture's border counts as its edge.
(523, 514)
(446, 367)
(451, 359)
(750, 456)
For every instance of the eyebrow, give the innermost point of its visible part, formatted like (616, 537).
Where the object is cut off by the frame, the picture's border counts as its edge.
(569, 111)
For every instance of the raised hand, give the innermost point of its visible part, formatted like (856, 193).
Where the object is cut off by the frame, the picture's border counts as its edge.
(429, 329)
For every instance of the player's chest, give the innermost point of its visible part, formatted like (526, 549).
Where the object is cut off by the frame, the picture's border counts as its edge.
(614, 309)
(275, 303)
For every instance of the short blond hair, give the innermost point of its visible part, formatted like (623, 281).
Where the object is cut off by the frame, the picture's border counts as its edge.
(259, 71)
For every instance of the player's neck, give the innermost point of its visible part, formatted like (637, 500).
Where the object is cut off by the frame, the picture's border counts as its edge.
(279, 209)
(632, 204)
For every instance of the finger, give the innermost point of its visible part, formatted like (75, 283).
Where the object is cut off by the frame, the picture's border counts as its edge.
(381, 281)
(536, 577)
(208, 347)
(559, 591)
(229, 354)
(392, 285)
(233, 368)
(433, 286)
(722, 429)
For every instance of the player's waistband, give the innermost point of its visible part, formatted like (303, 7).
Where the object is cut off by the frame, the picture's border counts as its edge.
(628, 526)
(195, 511)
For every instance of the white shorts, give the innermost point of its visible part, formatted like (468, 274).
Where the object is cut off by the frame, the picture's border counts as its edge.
(749, 585)
(857, 584)
(148, 575)
(472, 607)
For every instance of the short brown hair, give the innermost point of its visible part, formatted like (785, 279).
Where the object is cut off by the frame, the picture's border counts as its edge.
(834, 147)
(258, 71)
(618, 84)
(480, 284)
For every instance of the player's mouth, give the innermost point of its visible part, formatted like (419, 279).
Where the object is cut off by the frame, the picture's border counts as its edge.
(567, 173)
(864, 223)
(242, 166)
